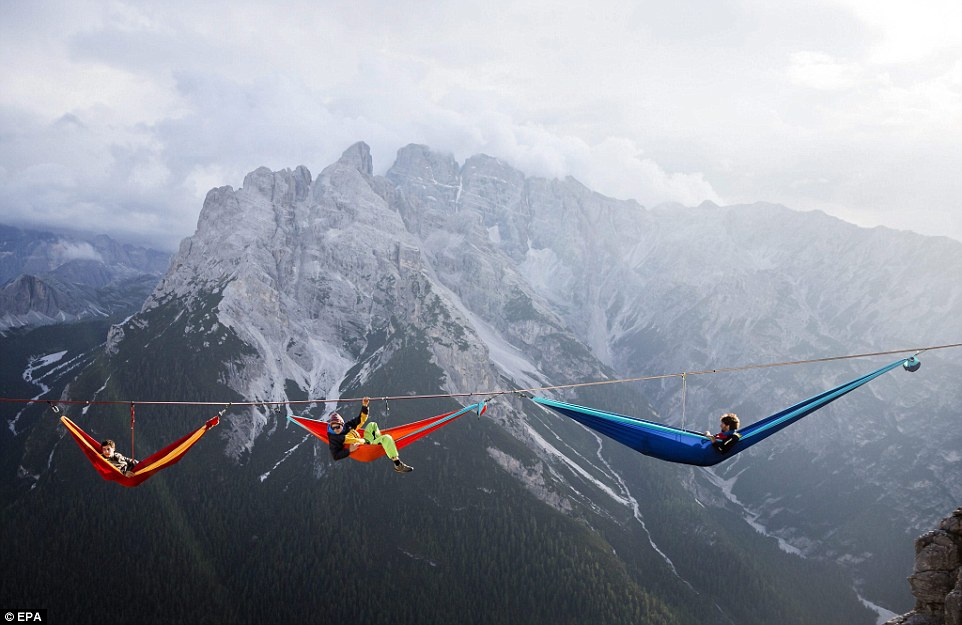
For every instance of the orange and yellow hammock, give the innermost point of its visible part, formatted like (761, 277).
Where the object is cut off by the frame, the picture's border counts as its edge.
(403, 435)
(145, 468)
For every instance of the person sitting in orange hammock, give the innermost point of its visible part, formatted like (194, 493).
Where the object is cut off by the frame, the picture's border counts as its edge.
(343, 438)
(108, 449)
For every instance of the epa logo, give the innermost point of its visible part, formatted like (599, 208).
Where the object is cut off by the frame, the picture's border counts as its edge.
(27, 616)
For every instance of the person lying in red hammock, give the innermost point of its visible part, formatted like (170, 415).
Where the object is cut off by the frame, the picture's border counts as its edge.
(108, 449)
(343, 438)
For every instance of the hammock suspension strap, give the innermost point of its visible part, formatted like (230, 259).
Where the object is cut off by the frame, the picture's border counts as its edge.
(684, 393)
(133, 419)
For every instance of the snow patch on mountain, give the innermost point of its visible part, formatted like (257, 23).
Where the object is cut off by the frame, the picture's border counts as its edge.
(725, 486)
(30, 375)
(284, 457)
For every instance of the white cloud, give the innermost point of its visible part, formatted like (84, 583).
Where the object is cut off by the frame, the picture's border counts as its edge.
(122, 115)
(820, 71)
(64, 251)
(909, 31)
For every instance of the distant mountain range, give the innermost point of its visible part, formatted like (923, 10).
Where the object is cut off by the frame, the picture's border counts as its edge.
(48, 278)
(442, 277)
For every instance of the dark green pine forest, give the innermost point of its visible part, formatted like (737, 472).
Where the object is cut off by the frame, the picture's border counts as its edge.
(283, 534)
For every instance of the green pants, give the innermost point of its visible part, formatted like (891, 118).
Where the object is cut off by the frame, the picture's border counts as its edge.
(372, 434)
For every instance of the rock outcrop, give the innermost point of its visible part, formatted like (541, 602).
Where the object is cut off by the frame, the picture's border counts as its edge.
(936, 579)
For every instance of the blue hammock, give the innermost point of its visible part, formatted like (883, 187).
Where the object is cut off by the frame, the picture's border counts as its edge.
(689, 447)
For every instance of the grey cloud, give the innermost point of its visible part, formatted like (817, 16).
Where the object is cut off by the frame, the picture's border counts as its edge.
(682, 102)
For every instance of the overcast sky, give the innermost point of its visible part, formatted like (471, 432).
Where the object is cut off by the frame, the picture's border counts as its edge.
(120, 116)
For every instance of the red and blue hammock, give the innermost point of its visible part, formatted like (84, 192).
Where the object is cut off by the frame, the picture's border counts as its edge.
(689, 447)
(403, 435)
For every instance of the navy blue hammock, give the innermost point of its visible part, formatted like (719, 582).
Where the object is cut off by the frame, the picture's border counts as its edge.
(689, 447)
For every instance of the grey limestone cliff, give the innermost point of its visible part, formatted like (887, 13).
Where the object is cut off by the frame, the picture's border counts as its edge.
(936, 579)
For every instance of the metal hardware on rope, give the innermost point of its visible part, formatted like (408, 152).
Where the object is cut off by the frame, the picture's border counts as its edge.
(133, 419)
(684, 393)
(481, 403)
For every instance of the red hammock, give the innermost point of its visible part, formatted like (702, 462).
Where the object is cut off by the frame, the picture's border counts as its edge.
(146, 467)
(403, 435)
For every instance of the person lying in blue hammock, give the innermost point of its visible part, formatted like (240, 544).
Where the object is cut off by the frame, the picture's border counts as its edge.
(727, 437)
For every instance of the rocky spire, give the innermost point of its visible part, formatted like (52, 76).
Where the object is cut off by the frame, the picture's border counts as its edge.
(936, 579)
(359, 157)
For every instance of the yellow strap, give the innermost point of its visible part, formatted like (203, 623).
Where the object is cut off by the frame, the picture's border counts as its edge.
(78, 436)
(177, 452)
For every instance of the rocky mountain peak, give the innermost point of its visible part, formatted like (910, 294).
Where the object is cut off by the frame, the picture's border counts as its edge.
(28, 293)
(281, 186)
(358, 156)
(419, 164)
(936, 579)
(311, 277)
